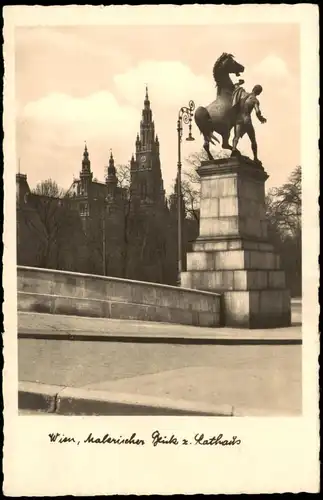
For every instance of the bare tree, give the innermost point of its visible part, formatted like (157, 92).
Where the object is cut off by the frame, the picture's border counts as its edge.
(51, 222)
(194, 160)
(284, 205)
(191, 196)
(124, 176)
(49, 188)
(284, 211)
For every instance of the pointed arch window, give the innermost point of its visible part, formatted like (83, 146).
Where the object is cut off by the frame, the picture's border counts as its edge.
(84, 209)
(143, 189)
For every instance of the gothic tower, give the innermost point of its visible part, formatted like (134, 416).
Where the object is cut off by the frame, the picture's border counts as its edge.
(85, 175)
(111, 180)
(84, 186)
(146, 178)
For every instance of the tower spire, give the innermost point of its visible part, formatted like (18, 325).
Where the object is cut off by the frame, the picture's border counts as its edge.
(86, 163)
(147, 131)
(146, 177)
(112, 172)
(146, 101)
(86, 175)
(111, 160)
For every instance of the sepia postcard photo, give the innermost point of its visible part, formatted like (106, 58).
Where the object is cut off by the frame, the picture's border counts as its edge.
(160, 265)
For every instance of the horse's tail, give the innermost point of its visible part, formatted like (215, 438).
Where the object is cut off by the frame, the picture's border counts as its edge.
(203, 120)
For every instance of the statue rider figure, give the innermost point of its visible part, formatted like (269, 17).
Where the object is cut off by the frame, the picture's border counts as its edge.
(245, 103)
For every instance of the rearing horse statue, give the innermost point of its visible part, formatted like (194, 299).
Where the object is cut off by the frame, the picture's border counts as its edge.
(220, 115)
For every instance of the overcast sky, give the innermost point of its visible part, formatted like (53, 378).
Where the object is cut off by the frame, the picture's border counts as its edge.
(76, 84)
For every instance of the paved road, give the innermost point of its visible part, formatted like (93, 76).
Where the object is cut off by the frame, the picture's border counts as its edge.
(265, 377)
(256, 376)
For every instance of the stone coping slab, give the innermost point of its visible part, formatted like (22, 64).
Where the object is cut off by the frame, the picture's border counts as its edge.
(56, 272)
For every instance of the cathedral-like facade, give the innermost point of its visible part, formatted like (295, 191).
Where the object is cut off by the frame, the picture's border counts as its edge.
(146, 187)
(114, 228)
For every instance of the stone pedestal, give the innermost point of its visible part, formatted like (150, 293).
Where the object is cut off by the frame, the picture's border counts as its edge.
(232, 254)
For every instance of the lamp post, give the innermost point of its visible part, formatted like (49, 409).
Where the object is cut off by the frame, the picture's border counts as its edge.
(185, 116)
(104, 259)
(103, 228)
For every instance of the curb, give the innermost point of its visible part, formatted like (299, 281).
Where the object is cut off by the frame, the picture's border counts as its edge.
(74, 401)
(156, 338)
(33, 396)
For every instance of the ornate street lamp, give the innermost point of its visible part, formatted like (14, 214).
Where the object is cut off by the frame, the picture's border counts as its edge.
(185, 115)
(103, 228)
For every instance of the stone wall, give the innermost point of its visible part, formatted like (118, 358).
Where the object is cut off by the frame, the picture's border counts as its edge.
(61, 292)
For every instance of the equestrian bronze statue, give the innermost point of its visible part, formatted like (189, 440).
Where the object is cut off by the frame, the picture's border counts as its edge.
(232, 108)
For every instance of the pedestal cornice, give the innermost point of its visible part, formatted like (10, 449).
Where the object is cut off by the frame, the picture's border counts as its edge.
(242, 166)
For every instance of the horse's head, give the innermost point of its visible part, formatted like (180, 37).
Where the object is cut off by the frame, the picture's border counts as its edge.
(226, 65)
